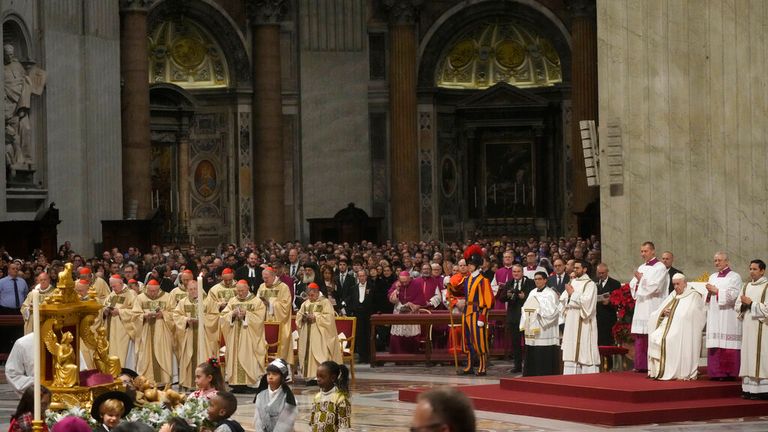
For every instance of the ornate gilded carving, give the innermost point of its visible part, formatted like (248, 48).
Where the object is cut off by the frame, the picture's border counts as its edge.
(403, 11)
(497, 51)
(266, 11)
(65, 288)
(183, 53)
(65, 368)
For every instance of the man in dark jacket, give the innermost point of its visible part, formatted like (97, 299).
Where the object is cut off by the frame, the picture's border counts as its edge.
(514, 293)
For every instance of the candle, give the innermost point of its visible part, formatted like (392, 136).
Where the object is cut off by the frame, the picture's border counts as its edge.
(36, 350)
(200, 332)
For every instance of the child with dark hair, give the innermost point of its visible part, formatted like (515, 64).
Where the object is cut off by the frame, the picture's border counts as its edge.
(331, 409)
(21, 420)
(275, 403)
(222, 406)
(208, 379)
(177, 424)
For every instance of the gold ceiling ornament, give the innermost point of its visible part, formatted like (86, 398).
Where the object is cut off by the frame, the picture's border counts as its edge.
(498, 51)
(183, 53)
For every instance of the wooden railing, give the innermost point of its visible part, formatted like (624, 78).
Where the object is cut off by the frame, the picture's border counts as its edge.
(425, 321)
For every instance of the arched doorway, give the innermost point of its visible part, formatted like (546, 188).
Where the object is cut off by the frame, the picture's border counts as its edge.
(494, 85)
(172, 111)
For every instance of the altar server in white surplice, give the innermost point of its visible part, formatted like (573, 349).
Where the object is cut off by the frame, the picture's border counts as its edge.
(723, 325)
(648, 287)
(752, 307)
(577, 304)
(542, 334)
(674, 342)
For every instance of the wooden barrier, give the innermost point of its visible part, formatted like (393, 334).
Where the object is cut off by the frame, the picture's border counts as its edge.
(425, 321)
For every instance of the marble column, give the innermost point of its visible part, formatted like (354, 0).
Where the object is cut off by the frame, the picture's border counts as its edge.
(269, 179)
(583, 93)
(404, 173)
(134, 101)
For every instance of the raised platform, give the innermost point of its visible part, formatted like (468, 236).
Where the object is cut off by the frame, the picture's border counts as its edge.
(614, 399)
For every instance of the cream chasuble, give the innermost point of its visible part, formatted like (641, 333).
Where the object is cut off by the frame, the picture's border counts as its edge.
(154, 337)
(318, 341)
(246, 346)
(674, 342)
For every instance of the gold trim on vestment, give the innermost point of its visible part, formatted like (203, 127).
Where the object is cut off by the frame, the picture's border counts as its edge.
(663, 359)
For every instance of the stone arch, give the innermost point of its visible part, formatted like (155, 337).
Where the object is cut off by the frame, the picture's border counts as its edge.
(218, 23)
(15, 31)
(461, 17)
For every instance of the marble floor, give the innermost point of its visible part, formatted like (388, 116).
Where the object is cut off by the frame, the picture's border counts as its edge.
(376, 408)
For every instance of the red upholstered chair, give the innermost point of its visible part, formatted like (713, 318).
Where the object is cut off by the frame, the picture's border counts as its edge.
(348, 326)
(272, 335)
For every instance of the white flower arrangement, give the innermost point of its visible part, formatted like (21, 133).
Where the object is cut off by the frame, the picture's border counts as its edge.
(53, 417)
(194, 411)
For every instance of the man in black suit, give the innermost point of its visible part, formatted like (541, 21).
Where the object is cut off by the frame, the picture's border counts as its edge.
(360, 306)
(514, 293)
(558, 280)
(345, 282)
(667, 258)
(606, 312)
(250, 272)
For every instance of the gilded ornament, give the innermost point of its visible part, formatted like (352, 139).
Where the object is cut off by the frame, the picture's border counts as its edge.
(188, 52)
(461, 54)
(510, 54)
(65, 368)
(549, 52)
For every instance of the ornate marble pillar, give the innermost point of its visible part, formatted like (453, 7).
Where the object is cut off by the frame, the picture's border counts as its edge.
(134, 101)
(404, 174)
(269, 180)
(583, 93)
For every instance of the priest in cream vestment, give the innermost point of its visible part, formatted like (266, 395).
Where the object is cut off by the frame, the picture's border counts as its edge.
(277, 297)
(318, 337)
(674, 342)
(187, 327)
(118, 317)
(215, 302)
(578, 306)
(243, 326)
(752, 307)
(153, 319)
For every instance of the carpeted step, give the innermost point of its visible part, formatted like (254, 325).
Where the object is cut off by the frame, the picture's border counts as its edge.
(607, 412)
(623, 387)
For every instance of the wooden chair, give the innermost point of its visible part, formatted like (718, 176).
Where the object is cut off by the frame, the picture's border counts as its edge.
(272, 335)
(348, 326)
(426, 337)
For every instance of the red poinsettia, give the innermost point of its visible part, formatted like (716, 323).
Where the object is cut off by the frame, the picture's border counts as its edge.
(622, 300)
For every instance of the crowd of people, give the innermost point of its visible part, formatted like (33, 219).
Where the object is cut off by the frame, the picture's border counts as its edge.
(554, 293)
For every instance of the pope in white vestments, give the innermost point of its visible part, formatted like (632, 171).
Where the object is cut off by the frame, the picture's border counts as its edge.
(674, 341)
(723, 325)
(648, 288)
(578, 305)
(752, 309)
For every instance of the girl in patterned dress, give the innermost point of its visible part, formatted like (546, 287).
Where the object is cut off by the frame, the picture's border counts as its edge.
(331, 409)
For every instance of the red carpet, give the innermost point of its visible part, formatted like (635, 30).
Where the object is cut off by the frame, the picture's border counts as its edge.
(614, 399)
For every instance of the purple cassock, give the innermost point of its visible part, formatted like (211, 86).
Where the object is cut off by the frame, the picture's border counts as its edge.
(404, 339)
(428, 286)
(499, 332)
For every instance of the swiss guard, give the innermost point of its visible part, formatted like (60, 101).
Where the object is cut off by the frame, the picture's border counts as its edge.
(479, 301)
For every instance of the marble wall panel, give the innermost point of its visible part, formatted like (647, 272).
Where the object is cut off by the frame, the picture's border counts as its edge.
(686, 81)
(336, 154)
(67, 147)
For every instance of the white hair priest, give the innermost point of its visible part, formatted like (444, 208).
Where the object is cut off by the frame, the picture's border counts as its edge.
(675, 330)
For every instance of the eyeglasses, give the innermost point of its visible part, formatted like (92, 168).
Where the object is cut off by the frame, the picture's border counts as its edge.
(428, 427)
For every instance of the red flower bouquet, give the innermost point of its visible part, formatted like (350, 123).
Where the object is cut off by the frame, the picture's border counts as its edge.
(622, 300)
